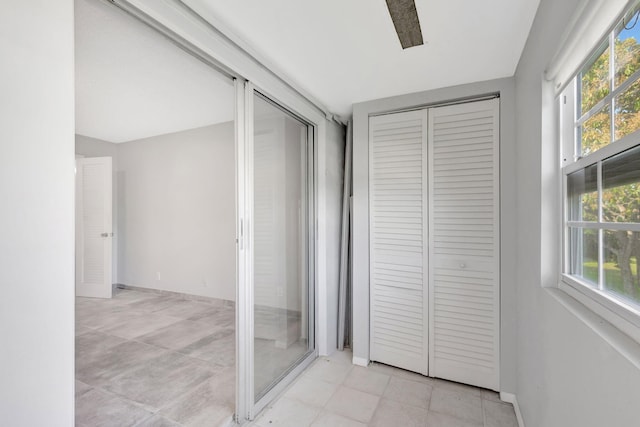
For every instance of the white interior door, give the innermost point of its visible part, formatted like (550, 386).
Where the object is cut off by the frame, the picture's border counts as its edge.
(94, 227)
(434, 241)
(398, 240)
(464, 249)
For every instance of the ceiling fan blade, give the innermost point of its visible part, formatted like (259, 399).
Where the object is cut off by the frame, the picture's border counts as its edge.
(405, 18)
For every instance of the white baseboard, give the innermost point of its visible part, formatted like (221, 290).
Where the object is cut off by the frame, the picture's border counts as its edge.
(511, 398)
(360, 361)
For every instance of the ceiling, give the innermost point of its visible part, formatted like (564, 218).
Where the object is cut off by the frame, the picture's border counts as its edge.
(132, 83)
(343, 52)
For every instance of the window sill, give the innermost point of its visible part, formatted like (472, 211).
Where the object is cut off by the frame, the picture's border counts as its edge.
(602, 315)
(621, 315)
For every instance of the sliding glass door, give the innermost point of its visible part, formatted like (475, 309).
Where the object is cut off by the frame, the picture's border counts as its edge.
(277, 309)
(281, 239)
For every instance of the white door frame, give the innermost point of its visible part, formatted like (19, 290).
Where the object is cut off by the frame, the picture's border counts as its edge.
(243, 263)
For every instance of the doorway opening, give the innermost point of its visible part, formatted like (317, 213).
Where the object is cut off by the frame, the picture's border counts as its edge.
(155, 235)
(210, 230)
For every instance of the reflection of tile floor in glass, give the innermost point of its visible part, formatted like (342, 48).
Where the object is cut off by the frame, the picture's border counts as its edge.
(271, 361)
(147, 359)
(333, 392)
(277, 345)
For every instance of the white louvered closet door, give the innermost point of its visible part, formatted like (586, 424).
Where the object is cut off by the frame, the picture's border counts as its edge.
(398, 240)
(464, 251)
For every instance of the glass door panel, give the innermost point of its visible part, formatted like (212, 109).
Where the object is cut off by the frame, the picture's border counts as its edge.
(281, 239)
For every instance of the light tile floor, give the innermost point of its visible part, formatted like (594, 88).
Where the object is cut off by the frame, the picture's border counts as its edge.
(146, 359)
(335, 393)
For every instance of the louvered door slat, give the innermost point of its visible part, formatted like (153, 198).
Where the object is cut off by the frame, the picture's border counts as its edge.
(464, 252)
(398, 211)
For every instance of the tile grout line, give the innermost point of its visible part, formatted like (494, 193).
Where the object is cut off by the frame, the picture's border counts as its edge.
(484, 414)
(341, 384)
(373, 416)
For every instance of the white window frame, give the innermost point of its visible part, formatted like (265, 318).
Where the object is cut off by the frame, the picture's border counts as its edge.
(623, 315)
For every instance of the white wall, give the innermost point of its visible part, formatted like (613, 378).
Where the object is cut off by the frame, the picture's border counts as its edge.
(361, 112)
(569, 373)
(92, 147)
(37, 214)
(176, 212)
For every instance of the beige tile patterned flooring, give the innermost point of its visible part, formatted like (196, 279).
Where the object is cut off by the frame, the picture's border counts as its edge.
(335, 393)
(145, 359)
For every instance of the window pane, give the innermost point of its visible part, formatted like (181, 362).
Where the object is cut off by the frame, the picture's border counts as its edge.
(627, 111)
(627, 49)
(595, 80)
(596, 132)
(621, 254)
(281, 242)
(583, 194)
(621, 187)
(584, 254)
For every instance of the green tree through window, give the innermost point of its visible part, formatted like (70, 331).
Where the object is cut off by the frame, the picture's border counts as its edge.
(620, 197)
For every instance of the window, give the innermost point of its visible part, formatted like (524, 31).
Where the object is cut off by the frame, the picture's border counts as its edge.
(600, 130)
